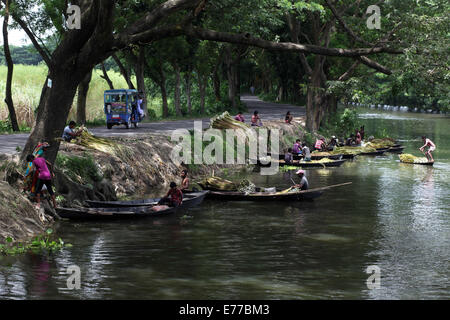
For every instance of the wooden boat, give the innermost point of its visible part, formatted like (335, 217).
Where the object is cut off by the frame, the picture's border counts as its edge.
(396, 149)
(191, 199)
(349, 156)
(335, 163)
(271, 196)
(112, 213)
(419, 163)
(313, 157)
(374, 153)
(130, 212)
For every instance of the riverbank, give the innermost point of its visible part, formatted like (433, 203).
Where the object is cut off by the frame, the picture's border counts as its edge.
(108, 169)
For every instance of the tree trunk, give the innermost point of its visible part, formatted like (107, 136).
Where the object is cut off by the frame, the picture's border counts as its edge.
(231, 77)
(9, 62)
(202, 83)
(162, 86)
(216, 83)
(140, 78)
(123, 71)
(106, 77)
(83, 89)
(187, 79)
(177, 94)
(50, 124)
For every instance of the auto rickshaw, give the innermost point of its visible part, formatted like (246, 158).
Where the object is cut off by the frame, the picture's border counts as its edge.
(120, 107)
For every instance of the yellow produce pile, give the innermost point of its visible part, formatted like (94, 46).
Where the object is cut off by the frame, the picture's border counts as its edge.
(101, 144)
(409, 158)
(353, 150)
(225, 121)
(321, 154)
(381, 143)
(216, 183)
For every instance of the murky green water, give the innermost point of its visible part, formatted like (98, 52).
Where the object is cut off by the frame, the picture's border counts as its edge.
(394, 216)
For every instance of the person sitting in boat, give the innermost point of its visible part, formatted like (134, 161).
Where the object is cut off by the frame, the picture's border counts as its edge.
(306, 152)
(173, 198)
(256, 120)
(69, 134)
(431, 147)
(350, 141)
(303, 185)
(288, 157)
(361, 131)
(185, 180)
(297, 148)
(239, 117)
(358, 139)
(320, 145)
(288, 118)
(333, 143)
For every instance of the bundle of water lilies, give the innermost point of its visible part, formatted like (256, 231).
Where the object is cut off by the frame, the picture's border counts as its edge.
(381, 143)
(88, 140)
(409, 158)
(321, 154)
(216, 183)
(353, 150)
(246, 187)
(225, 121)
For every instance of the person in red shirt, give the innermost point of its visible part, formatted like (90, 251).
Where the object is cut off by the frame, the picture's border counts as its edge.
(174, 196)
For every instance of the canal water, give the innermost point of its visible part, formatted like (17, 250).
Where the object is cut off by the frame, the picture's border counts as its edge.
(394, 216)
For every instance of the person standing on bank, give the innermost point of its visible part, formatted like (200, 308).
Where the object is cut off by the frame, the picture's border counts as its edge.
(45, 178)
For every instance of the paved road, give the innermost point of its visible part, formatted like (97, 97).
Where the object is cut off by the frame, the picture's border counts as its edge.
(267, 111)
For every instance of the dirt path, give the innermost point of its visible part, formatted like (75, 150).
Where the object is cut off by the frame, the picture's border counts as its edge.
(267, 111)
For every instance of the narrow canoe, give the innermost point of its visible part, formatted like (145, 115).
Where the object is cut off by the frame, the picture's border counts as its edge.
(335, 163)
(130, 212)
(423, 164)
(271, 196)
(375, 153)
(313, 157)
(191, 199)
(396, 149)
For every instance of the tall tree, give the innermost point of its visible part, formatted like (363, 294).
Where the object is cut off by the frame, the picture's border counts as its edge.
(9, 62)
(79, 50)
(83, 89)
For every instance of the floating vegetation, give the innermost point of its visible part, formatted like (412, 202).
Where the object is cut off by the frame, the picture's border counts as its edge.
(216, 183)
(353, 150)
(37, 245)
(409, 158)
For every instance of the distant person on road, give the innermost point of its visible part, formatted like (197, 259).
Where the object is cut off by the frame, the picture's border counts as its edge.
(140, 101)
(239, 117)
(256, 120)
(431, 147)
(69, 134)
(304, 184)
(252, 90)
(45, 178)
(306, 153)
(288, 118)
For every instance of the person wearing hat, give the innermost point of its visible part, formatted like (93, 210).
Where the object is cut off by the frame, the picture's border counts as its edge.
(174, 196)
(303, 185)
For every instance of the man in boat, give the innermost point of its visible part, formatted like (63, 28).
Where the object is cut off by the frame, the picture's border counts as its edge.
(45, 178)
(303, 185)
(431, 147)
(306, 152)
(320, 145)
(296, 149)
(69, 134)
(358, 138)
(185, 180)
(333, 143)
(350, 141)
(174, 196)
(288, 158)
